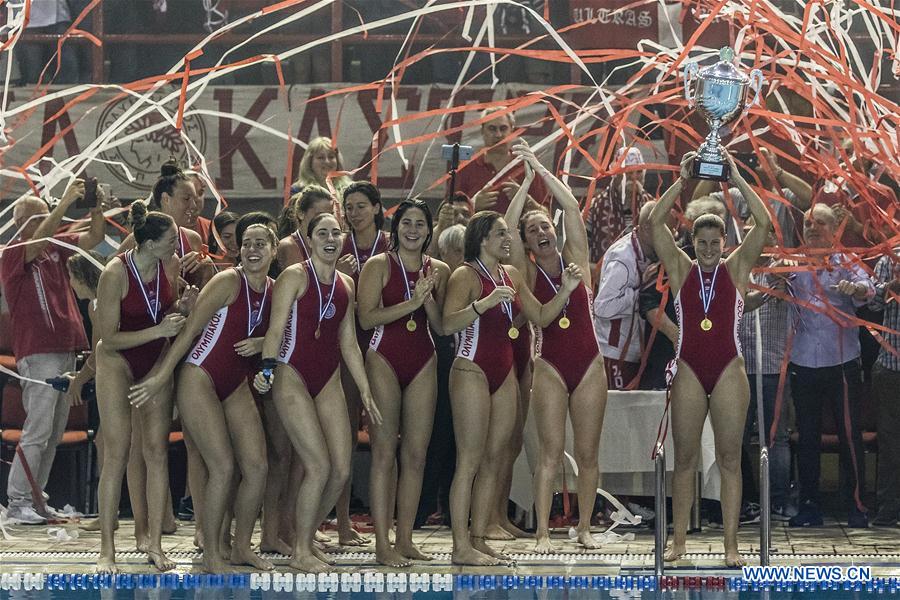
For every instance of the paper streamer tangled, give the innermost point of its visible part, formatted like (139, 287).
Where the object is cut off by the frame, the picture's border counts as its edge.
(825, 86)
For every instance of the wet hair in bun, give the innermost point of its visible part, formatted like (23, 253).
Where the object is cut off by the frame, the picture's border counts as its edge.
(169, 176)
(148, 225)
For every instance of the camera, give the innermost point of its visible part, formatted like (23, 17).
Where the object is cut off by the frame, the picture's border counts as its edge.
(465, 152)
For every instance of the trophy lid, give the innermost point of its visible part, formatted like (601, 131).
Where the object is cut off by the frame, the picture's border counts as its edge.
(724, 69)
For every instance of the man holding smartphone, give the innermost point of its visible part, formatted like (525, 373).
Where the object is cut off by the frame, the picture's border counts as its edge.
(47, 332)
(478, 179)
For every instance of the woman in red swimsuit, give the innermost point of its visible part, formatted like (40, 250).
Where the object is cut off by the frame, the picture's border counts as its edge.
(400, 296)
(568, 368)
(285, 470)
(482, 298)
(365, 217)
(710, 377)
(214, 399)
(136, 292)
(174, 194)
(311, 329)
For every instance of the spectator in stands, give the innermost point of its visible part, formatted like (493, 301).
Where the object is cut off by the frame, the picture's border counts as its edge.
(47, 331)
(321, 159)
(453, 212)
(783, 185)
(617, 324)
(825, 365)
(764, 328)
(478, 179)
(224, 225)
(886, 382)
(48, 17)
(612, 209)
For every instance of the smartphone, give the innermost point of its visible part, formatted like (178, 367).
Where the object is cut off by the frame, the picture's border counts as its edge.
(89, 199)
(748, 159)
(465, 152)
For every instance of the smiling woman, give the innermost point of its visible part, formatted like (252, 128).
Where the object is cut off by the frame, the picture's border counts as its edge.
(310, 332)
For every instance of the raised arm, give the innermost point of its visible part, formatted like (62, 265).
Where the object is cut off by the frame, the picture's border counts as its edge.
(742, 260)
(94, 235)
(544, 314)
(49, 225)
(802, 199)
(673, 258)
(518, 255)
(576, 248)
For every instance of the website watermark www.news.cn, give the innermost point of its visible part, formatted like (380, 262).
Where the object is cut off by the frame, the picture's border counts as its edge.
(782, 574)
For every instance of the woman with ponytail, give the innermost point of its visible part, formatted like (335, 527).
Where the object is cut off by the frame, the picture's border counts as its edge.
(138, 310)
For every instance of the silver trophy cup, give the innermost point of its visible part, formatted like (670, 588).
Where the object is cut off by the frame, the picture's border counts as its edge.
(719, 92)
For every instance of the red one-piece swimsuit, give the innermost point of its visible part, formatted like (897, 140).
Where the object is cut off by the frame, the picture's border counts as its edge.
(315, 359)
(570, 349)
(143, 306)
(708, 339)
(407, 352)
(485, 341)
(214, 351)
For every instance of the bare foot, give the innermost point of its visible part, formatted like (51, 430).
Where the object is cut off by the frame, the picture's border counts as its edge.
(249, 557)
(411, 551)
(95, 525)
(586, 539)
(169, 525)
(309, 564)
(214, 564)
(142, 542)
(276, 547)
(351, 537)
(390, 558)
(106, 565)
(160, 560)
(482, 546)
(471, 556)
(733, 559)
(322, 537)
(543, 545)
(497, 533)
(511, 529)
(320, 554)
(674, 552)
(198, 539)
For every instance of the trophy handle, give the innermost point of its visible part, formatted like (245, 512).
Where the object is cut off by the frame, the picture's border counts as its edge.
(756, 82)
(690, 73)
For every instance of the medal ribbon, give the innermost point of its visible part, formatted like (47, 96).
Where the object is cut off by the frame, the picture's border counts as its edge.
(360, 263)
(251, 323)
(403, 269)
(152, 308)
(704, 297)
(506, 307)
(553, 286)
(323, 310)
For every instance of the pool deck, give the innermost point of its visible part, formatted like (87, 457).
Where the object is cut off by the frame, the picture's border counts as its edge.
(33, 551)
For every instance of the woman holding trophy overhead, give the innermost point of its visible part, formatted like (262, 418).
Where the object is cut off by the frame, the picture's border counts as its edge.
(709, 375)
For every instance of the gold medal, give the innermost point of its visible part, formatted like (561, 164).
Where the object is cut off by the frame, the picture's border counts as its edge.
(706, 324)
(318, 332)
(513, 333)
(411, 325)
(564, 322)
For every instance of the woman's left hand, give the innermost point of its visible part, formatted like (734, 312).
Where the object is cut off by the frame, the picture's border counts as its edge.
(249, 347)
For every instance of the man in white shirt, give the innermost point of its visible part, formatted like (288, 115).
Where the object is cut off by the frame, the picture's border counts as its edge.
(617, 324)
